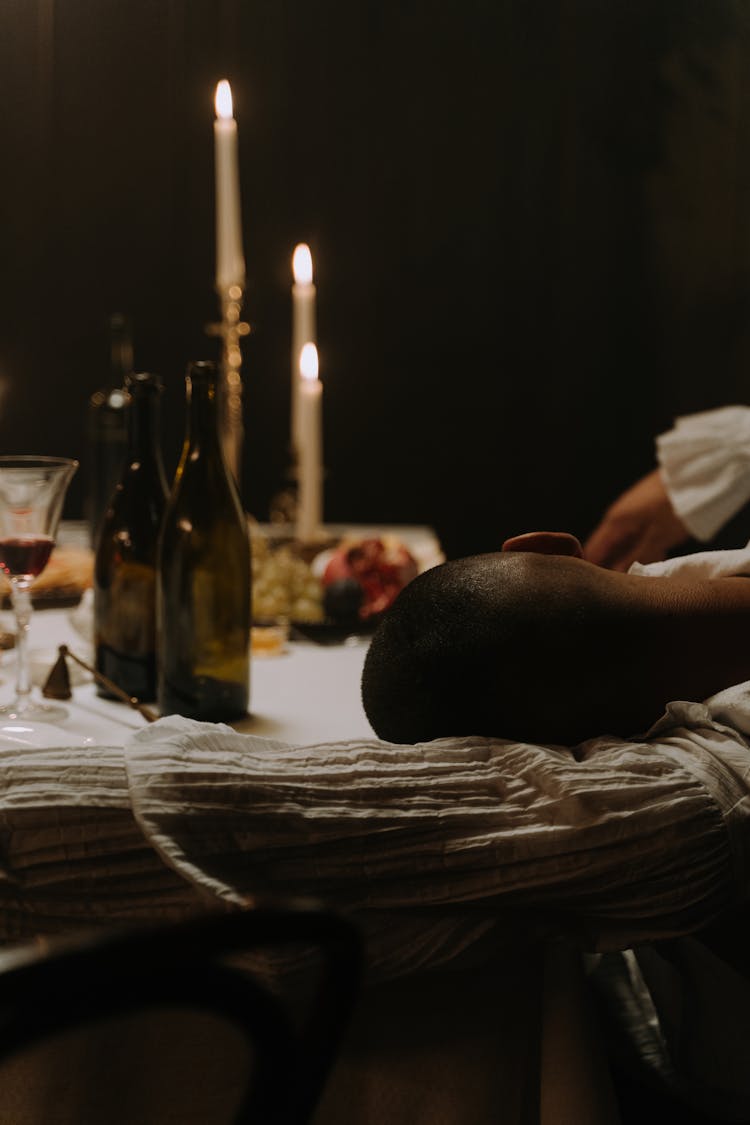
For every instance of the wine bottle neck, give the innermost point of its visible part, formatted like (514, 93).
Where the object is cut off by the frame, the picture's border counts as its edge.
(203, 414)
(143, 427)
(121, 351)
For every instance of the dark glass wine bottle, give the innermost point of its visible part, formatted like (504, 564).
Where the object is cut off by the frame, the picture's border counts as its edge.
(107, 424)
(203, 588)
(125, 560)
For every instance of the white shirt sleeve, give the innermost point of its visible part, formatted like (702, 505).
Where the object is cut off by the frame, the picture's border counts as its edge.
(705, 463)
(622, 841)
(438, 849)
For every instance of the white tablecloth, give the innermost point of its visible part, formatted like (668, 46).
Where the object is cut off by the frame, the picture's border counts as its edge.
(310, 693)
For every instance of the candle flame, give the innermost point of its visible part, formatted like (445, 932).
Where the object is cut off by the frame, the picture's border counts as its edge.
(302, 264)
(223, 99)
(308, 362)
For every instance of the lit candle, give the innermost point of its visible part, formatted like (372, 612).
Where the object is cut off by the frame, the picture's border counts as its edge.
(303, 327)
(310, 498)
(230, 261)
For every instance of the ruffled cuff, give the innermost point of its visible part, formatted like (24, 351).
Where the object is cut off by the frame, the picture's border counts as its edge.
(705, 462)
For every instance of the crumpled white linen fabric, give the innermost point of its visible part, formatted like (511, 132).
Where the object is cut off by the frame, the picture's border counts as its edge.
(615, 842)
(705, 462)
(441, 850)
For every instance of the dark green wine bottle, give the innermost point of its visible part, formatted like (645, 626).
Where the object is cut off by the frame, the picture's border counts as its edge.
(125, 560)
(203, 587)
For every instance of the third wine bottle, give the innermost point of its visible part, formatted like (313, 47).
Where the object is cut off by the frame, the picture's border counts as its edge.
(125, 560)
(203, 587)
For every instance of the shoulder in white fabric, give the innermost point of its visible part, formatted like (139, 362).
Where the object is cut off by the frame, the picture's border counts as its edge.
(702, 564)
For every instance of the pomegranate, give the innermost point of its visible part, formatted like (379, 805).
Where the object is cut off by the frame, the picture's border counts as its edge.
(382, 567)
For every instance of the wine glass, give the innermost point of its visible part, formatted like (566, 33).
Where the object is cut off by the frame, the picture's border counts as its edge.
(32, 492)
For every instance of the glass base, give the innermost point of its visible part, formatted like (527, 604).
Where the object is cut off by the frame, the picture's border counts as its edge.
(31, 710)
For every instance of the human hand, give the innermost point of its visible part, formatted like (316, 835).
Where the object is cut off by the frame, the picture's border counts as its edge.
(545, 543)
(641, 526)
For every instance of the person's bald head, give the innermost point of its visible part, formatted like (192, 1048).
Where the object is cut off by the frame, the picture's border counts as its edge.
(536, 647)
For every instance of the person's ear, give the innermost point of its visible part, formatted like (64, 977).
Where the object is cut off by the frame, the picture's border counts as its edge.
(546, 543)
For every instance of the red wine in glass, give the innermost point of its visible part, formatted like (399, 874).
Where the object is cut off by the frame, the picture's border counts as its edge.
(25, 556)
(32, 491)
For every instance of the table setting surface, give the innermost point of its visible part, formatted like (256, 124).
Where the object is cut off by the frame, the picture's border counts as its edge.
(306, 694)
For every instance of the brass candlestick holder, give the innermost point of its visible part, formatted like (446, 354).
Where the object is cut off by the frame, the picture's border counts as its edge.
(284, 504)
(230, 330)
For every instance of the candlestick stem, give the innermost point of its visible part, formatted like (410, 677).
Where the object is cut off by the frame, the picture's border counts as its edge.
(231, 329)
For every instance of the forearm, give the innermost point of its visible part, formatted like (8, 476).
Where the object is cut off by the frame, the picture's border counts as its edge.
(699, 644)
(696, 634)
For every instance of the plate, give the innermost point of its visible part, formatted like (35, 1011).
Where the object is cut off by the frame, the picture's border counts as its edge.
(19, 733)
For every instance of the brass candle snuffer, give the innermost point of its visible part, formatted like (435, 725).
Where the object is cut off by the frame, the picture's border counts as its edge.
(57, 684)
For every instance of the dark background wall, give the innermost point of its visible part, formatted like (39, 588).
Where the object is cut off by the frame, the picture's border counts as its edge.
(530, 225)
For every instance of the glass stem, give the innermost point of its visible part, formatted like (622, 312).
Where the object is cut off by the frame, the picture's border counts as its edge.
(21, 599)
